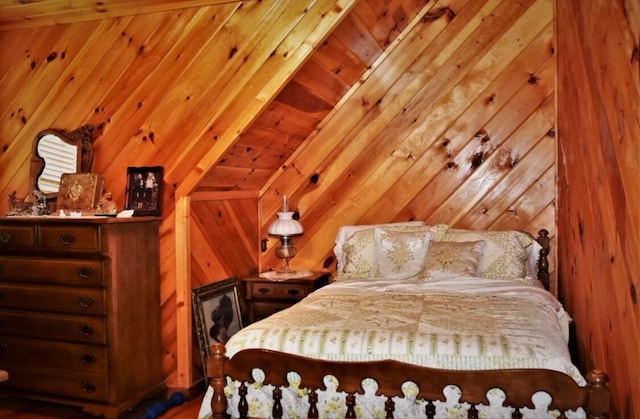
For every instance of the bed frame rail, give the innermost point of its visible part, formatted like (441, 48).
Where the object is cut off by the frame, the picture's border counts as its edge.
(518, 384)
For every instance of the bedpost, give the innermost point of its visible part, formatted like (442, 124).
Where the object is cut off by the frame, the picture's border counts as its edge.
(597, 395)
(543, 261)
(215, 371)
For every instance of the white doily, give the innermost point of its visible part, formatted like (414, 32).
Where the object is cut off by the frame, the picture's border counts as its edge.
(283, 276)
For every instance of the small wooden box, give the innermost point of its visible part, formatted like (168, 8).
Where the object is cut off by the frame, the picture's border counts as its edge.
(79, 191)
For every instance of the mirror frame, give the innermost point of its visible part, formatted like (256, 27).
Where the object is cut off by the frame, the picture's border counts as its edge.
(38, 162)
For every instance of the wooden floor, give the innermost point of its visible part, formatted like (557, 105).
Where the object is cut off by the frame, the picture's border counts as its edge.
(13, 408)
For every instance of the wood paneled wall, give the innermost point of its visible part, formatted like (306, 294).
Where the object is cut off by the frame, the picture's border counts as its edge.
(360, 111)
(599, 193)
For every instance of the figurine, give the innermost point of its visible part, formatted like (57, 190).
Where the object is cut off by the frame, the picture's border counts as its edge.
(18, 206)
(41, 206)
(106, 205)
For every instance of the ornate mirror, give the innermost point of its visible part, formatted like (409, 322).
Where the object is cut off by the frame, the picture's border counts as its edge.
(56, 152)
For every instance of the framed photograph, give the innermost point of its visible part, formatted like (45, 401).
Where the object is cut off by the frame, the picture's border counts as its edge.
(144, 190)
(216, 310)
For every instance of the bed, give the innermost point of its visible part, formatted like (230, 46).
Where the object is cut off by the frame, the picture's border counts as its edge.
(421, 321)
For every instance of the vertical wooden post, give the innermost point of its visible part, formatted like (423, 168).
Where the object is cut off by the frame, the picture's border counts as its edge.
(183, 292)
(215, 372)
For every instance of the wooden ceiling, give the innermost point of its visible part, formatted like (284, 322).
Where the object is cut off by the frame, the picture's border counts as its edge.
(21, 14)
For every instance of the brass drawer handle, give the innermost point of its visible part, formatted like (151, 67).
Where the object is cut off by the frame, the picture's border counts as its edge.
(89, 387)
(88, 358)
(5, 238)
(293, 292)
(86, 330)
(4, 347)
(263, 291)
(66, 239)
(85, 272)
(85, 302)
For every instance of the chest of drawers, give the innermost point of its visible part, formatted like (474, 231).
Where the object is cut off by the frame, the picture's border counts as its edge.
(80, 310)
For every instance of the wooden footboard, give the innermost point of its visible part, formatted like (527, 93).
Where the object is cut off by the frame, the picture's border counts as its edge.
(518, 385)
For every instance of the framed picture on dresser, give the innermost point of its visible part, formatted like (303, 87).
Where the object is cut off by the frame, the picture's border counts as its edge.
(216, 310)
(144, 190)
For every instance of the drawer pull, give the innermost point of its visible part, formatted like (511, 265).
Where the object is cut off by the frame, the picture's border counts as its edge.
(2, 295)
(293, 292)
(263, 290)
(85, 272)
(89, 387)
(4, 347)
(66, 239)
(86, 330)
(88, 358)
(85, 302)
(5, 238)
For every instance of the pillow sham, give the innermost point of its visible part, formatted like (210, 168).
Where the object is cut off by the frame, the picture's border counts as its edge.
(446, 259)
(504, 256)
(345, 232)
(399, 254)
(358, 249)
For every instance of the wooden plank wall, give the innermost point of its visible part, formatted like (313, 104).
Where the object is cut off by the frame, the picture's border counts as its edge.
(599, 194)
(452, 122)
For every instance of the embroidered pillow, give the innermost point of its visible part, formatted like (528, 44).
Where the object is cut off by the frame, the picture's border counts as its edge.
(358, 248)
(356, 242)
(504, 256)
(448, 259)
(399, 254)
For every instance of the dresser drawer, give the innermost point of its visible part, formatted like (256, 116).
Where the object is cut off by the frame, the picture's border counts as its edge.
(52, 298)
(49, 354)
(82, 329)
(17, 237)
(271, 290)
(87, 386)
(49, 270)
(69, 238)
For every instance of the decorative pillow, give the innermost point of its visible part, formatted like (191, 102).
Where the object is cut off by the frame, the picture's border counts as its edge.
(399, 254)
(447, 259)
(358, 249)
(504, 256)
(345, 232)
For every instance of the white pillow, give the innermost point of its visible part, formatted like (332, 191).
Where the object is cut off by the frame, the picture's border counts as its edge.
(399, 254)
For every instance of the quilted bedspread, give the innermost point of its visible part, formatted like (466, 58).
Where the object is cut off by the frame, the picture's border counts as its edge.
(465, 323)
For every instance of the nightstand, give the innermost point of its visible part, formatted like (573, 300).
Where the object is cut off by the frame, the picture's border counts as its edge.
(265, 297)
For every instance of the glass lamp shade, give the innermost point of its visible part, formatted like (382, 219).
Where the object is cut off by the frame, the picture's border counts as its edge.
(285, 225)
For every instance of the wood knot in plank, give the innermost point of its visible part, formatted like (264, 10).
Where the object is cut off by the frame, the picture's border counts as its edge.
(432, 16)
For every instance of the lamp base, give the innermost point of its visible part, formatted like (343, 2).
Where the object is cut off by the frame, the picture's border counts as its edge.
(283, 276)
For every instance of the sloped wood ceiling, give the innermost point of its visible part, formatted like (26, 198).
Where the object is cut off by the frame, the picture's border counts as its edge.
(359, 111)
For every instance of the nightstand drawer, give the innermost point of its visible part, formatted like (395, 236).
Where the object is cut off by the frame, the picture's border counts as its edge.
(271, 290)
(262, 309)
